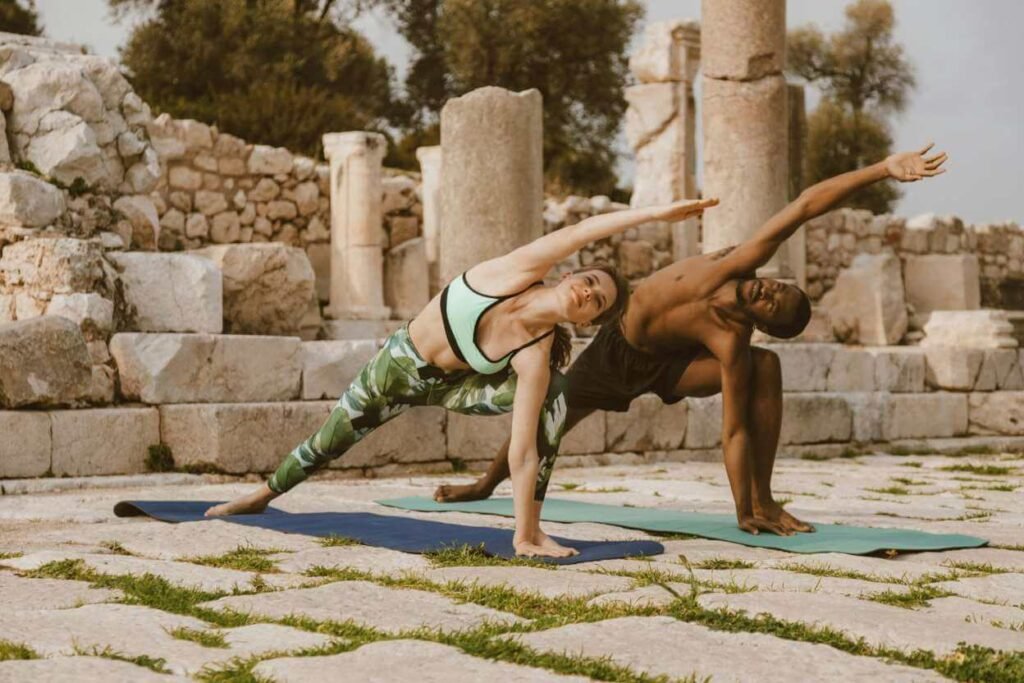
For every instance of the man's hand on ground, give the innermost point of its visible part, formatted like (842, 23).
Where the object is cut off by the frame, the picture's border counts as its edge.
(908, 167)
(773, 512)
(755, 525)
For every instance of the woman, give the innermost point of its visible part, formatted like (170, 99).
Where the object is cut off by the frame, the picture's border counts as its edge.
(500, 310)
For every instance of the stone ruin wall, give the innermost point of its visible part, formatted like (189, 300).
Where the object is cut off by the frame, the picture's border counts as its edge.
(834, 239)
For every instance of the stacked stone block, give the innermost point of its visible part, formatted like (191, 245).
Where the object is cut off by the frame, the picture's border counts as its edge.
(661, 125)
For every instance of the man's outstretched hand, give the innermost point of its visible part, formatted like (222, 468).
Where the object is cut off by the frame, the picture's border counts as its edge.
(908, 167)
(680, 211)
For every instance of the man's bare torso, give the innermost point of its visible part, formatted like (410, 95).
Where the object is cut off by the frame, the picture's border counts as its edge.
(671, 310)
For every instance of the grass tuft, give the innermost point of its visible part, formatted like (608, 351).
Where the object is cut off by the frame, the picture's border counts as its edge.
(815, 456)
(982, 470)
(334, 540)
(244, 558)
(157, 664)
(892, 490)
(723, 563)
(205, 638)
(570, 486)
(10, 650)
(115, 548)
(911, 450)
(159, 458)
(917, 596)
(10, 556)
(476, 556)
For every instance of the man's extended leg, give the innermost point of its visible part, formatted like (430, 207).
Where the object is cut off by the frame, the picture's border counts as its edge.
(497, 471)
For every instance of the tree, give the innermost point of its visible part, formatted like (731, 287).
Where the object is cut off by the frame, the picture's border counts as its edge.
(280, 72)
(17, 19)
(863, 77)
(573, 51)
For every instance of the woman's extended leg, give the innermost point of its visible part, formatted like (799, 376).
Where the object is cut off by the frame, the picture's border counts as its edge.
(385, 388)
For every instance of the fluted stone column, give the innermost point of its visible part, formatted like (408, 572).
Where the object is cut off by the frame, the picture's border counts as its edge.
(430, 194)
(746, 150)
(492, 188)
(661, 124)
(357, 260)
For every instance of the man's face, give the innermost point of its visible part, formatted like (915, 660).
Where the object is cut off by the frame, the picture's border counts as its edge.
(769, 302)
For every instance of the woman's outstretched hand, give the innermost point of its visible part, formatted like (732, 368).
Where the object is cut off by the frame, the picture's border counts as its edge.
(681, 210)
(908, 167)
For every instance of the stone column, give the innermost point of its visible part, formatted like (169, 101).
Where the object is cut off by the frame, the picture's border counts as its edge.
(661, 123)
(357, 260)
(796, 116)
(746, 149)
(430, 194)
(492, 187)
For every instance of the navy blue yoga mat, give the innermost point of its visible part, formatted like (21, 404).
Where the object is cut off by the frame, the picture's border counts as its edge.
(407, 534)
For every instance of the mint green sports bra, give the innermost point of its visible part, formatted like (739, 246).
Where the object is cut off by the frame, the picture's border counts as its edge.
(462, 307)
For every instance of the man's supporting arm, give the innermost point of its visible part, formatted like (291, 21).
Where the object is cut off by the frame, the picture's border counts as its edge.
(821, 197)
(737, 445)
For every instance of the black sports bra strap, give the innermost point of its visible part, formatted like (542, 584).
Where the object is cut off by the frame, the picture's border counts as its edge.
(532, 342)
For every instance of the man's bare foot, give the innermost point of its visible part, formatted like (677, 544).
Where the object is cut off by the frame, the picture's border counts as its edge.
(459, 493)
(249, 504)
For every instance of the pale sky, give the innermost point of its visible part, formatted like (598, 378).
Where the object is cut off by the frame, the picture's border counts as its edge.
(969, 99)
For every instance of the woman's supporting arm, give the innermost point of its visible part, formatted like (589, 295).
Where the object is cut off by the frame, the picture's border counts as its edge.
(533, 375)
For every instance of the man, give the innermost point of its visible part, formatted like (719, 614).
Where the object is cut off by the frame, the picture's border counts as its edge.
(686, 332)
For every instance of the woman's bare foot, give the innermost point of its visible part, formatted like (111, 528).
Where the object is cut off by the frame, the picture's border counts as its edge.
(459, 493)
(548, 543)
(249, 504)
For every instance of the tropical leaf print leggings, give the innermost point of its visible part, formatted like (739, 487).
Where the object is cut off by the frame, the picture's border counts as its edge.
(397, 379)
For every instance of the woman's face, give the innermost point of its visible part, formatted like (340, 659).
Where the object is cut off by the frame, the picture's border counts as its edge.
(586, 295)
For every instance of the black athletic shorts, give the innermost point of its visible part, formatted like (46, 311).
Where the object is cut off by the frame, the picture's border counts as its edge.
(610, 373)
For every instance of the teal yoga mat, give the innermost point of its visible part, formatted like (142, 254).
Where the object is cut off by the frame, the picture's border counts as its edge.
(829, 538)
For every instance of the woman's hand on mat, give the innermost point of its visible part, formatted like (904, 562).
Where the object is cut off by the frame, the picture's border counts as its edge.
(908, 167)
(679, 211)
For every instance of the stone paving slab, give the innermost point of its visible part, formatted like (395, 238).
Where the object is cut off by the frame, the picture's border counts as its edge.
(405, 660)
(80, 670)
(134, 630)
(1012, 560)
(906, 570)
(665, 646)
(162, 541)
(632, 566)
(38, 594)
(360, 557)
(390, 609)
(776, 580)
(878, 624)
(700, 550)
(546, 582)
(1002, 589)
(975, 612)
(179, 573)
(647, 596)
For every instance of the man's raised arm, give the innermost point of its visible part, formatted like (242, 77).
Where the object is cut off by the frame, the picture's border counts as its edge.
(906, 167)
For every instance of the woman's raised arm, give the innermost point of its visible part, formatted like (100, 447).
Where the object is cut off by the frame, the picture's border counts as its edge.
(532, 261)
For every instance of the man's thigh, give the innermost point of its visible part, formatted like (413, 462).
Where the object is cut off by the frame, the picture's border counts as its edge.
(702, 377)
